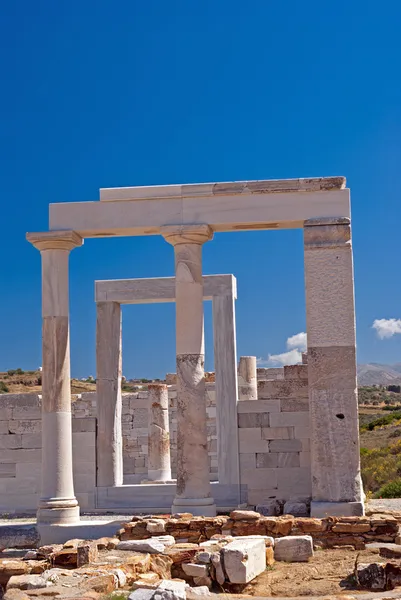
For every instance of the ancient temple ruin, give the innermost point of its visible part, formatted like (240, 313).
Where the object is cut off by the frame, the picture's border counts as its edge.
(295, 436)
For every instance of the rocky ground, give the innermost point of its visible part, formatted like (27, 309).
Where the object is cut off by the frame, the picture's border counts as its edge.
(146, 561)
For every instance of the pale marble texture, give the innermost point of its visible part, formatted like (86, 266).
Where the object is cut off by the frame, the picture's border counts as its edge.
(331, 362)
(233, 207)
(159, 466)
(108, 387)
(57, 503)
(193, 484)
(225, 359)
(247, 378)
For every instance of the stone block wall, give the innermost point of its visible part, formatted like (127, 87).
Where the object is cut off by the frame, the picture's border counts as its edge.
(21, 453)
(274, 439)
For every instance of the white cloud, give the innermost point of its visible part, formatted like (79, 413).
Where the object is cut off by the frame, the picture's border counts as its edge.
(386, 328)
(292, 357)
(297, 342)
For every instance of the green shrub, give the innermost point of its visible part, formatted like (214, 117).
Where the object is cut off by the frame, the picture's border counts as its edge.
(381, 421)
(3, 388)
(395, 433)
(390, 490)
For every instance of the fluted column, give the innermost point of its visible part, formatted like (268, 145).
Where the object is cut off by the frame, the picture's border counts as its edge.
(193, 480)
(57, 503)
(329, 283)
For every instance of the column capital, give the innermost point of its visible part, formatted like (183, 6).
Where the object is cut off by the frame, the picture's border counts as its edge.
(186, 234)
(55, 240)
(327, 232)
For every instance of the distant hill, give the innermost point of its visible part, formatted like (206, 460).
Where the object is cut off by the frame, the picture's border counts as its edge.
(378, 374)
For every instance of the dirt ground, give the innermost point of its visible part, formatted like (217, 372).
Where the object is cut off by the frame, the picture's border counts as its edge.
(325, 574)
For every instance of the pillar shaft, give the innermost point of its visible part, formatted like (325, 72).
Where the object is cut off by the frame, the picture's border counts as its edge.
(159, 465)
(57, 502)
(225, 361)
(108, 388)
(193, 480)
(331, 355)
(247, 378)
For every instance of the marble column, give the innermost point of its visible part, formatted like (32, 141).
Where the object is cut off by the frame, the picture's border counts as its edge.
(247, 378)
(193, 492)
(225, 362)
(57, 504)
(159, 465)
(330, 315)
(108, 388)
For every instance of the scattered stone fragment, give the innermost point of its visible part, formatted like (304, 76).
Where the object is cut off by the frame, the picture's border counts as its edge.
(296, 509)
(67, 557)
(151, 545)
(107, 543)
(87, 553)
(147, 581)
(270, 508)
(156, 526)
(31, 555)
(103, 584)
(161, 565)
(142, 594)
(244, 515)
(244, 560)
(15, 594)
(26, 582)
(180, 553)
(170, 589)
(217, 563)
(72, 543)
(297, 548)
(268, 540)
(371, 577)
(204, 557)
(201, 590)
(203, 581)
(8, 568)
(195, 570)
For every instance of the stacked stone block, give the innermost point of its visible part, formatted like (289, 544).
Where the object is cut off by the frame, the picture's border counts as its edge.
(274, 439)
(21, 452)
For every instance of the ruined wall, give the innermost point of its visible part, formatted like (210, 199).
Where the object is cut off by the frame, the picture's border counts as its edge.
(274, 437)
(20, 452)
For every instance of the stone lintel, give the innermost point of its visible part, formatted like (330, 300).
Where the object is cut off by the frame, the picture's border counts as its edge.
(223, 188)
(327, 233)
(187, 234)
(55, 240)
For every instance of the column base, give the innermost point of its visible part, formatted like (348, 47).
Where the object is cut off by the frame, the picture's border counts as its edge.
(320, 510)
(50, 514)
(159, 475)
(199, 507)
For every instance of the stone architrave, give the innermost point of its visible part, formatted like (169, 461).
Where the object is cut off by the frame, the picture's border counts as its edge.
(159, 465)
(193, 492)
(109, 444)
(222, 290)
(247, 378)
(329, 283)
(57, 504)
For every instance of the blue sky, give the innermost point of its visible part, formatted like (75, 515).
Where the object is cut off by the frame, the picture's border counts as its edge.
(101, 94)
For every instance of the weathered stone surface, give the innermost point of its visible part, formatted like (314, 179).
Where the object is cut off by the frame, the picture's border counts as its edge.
(87, 553)
(203, 581)
(151, 545)
(293, 548)
(103, 584)
(72, 543)
(244, 515)
(371, 577)
(26, 582)
(271, 508)
(15, 594)
(296, 509)
(195, 570)
(201, 590)
(244, 560)
(8, 568)
(107, 542)
(142, 594)
(156, 526)
(161, 565)
(180, 553)
(65, 557)
(148, 581)
(18, 536)
(170, 590)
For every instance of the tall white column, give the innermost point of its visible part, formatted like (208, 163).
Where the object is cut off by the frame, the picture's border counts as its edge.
(225, 362)
(247, 378)
(329, 283)
(57, 504)
(108, 388)
(159, 465)
(193, 480)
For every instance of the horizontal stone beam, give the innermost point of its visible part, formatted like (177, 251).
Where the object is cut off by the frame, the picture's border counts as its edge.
(162, 289)
(237, 206)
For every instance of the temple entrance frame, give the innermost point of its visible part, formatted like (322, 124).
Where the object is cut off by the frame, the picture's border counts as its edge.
(187, 216)
(109, 296)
